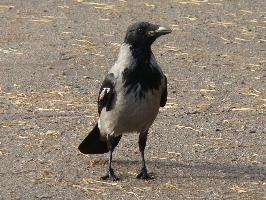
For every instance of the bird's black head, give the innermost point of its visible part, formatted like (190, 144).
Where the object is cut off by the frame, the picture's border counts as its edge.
(143, 34)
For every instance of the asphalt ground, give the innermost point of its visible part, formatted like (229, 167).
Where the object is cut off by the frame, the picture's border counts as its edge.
(207, 143)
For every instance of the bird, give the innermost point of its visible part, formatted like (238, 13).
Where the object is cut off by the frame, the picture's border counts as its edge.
(130, 96)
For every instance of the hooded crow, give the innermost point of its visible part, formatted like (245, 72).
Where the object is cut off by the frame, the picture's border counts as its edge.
(130, 96)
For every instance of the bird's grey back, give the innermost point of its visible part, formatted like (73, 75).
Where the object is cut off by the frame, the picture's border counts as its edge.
(124, 60)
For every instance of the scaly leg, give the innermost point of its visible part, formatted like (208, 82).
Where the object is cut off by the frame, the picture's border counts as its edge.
(111, 143)
(142, 144)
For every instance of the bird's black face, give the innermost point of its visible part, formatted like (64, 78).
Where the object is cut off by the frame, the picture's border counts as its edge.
(143, 34)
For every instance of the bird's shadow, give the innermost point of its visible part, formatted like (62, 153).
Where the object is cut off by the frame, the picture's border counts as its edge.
(204, 170)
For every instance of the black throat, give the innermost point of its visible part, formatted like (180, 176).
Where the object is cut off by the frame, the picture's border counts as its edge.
(141, 73)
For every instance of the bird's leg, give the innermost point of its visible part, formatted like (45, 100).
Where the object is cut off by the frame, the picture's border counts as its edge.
(110, 172)
(142, 144)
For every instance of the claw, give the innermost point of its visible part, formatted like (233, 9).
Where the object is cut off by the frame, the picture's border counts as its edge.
(110, 176)
(144, 175)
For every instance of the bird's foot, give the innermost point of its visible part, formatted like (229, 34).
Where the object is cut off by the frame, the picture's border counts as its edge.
(144, 175)
(110, 176)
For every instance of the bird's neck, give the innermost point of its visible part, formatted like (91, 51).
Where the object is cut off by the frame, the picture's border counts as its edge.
(141, 55)
(140, 72)
(133, 58)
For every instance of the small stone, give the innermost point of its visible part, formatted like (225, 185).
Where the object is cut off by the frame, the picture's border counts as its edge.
(87, 77)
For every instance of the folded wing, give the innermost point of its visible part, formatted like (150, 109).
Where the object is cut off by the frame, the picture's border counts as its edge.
(106, 94)
(164, 94)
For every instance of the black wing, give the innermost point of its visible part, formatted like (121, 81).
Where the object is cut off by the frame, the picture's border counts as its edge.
(106, 93)
(164, 94)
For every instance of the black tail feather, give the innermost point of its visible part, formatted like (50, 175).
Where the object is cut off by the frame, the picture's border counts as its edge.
(94, 143)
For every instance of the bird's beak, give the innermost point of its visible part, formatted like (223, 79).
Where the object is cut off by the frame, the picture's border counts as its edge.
(161, 30)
